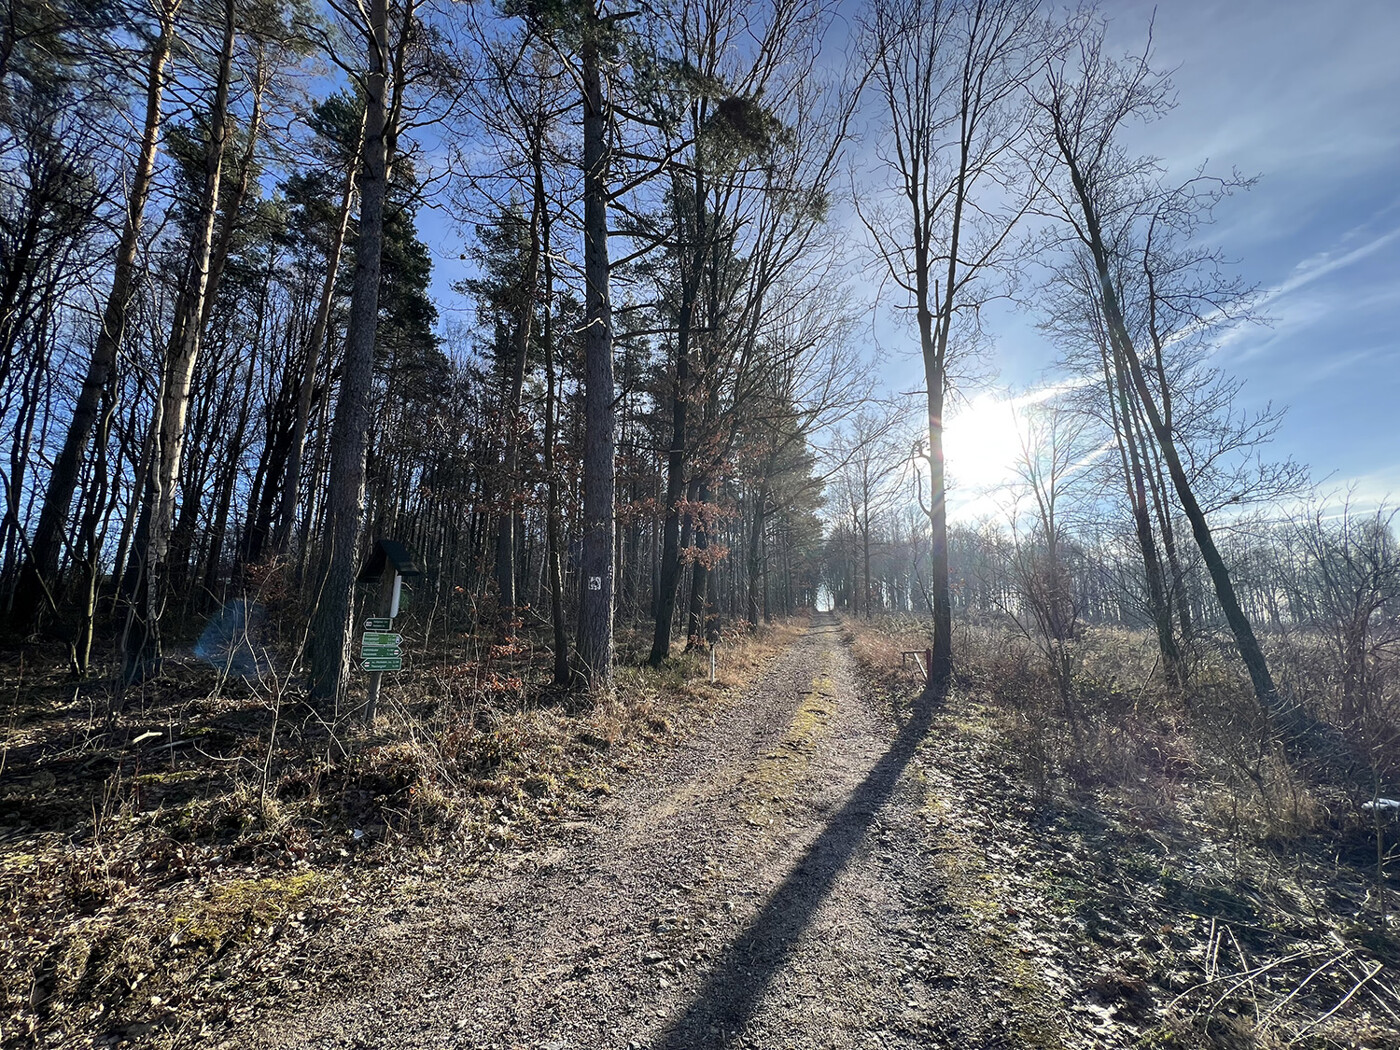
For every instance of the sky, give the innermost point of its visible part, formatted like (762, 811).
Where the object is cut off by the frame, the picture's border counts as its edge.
(1305, 95)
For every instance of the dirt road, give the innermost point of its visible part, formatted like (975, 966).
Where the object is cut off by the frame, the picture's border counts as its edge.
(765, 887)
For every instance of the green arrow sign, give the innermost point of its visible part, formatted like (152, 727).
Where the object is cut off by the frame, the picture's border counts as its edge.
(383, 663)
(378, 623)
(379, 652)
(380, 638)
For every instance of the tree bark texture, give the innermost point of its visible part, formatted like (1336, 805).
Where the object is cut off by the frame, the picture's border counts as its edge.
(330, 625)
(595, 628)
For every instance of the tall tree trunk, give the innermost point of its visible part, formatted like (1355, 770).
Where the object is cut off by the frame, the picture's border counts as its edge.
(699, 574)
(98, 387)
(330, 624)
(1157, 483)
(670, 574)
(507, 524)
(223, 501)
(262, 496)
(554, 520)
(755, 567)
(211, 402)
(314, 514)
(595, 628)
(315, 344)
(182, 554)
(1250, 650)
(98, 506)
(141, 640)
(941, 666)
(865, 541)
(1155, 476)
(670, 577)
(1122, 421)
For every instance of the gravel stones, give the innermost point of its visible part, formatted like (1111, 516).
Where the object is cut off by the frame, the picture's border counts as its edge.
(726, 898)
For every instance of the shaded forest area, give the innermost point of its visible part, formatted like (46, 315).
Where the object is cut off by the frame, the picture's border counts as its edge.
(269, 360)
(645, 428)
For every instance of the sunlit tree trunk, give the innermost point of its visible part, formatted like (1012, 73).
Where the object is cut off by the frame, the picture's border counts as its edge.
(98, 390)
(141, 638)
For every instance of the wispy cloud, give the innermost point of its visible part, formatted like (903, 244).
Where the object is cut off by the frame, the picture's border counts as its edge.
(1363, 492)
(1292, 312)
(1340, 363)
(1335, 498)
(1322, 264)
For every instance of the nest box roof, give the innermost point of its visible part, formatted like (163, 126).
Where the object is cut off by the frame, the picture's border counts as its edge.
(385, 553)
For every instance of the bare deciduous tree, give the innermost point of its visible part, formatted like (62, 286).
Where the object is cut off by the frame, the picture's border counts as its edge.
(950, 75)
(1085, 100)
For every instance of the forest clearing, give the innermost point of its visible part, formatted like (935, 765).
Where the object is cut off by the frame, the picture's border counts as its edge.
(706, 523)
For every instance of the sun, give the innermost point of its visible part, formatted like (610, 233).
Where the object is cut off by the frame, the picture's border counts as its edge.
(982, 442)
(983, 445)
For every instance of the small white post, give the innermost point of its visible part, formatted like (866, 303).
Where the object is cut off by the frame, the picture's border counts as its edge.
(712, 663)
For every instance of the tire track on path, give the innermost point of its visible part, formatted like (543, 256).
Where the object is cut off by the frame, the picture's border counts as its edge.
(767, 886)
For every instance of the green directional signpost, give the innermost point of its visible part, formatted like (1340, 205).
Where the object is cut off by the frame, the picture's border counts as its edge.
(388, 564)
(379, 650)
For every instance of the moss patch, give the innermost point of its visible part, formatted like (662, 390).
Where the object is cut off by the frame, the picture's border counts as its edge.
(771, 780)
(238, 908)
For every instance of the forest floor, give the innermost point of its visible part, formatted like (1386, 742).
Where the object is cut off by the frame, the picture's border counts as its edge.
(808, 859)
(766, 886)
(169, 874)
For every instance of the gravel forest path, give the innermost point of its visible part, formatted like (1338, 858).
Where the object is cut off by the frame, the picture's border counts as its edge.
(764, 886)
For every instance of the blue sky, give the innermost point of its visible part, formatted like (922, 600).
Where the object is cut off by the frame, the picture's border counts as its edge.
(1306, 96)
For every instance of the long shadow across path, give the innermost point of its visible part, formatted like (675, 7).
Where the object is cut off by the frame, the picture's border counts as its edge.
(730, 996)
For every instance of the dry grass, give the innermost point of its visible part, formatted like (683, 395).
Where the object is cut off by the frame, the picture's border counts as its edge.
(1124, 730)
(1175, 879)
(149, 893)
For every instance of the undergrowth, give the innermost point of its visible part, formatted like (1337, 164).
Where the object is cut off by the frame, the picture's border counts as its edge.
(161, 878)
(1176, 878)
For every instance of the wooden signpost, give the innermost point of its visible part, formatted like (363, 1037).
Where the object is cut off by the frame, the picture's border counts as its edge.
(390, 563)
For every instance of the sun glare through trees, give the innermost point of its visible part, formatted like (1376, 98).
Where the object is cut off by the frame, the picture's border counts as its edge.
(700, 523)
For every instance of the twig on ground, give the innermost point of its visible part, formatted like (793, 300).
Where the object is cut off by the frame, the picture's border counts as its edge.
(1344, 1000)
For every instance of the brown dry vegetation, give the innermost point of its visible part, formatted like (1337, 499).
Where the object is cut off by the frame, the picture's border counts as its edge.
(1157, 873)
(165, 876)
